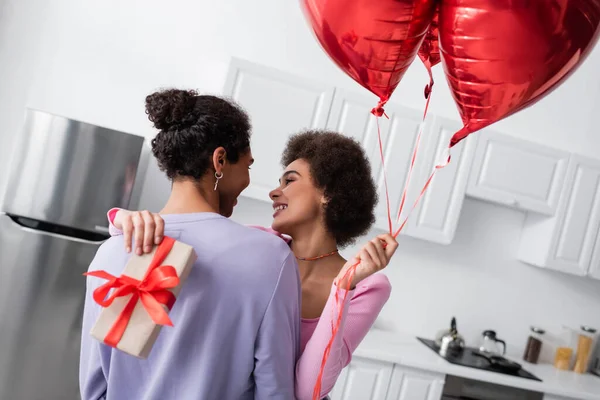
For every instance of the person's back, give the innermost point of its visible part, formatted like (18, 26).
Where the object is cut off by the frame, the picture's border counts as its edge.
(236, 321)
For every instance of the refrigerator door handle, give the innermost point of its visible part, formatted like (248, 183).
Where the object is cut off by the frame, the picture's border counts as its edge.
(102, 228)
(71, 234)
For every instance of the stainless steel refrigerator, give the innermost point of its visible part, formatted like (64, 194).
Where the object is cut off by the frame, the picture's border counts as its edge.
(64, 176)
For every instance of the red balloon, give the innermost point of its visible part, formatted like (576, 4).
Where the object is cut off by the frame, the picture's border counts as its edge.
(429, 52)
(374, 42)
(501, 56)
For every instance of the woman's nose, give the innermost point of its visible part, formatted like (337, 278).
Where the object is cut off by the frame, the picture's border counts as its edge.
(274, 194)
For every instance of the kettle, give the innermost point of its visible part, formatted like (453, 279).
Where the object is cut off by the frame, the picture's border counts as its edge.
(489, 344)
(450, 340)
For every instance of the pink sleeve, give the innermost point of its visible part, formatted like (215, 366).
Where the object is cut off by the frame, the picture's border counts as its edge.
(360, 310)
(112, 229)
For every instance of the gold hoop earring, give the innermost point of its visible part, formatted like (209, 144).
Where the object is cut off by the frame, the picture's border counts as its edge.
(218, 178)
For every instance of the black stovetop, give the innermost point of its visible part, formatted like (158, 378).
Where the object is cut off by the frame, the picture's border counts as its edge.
(466, 358)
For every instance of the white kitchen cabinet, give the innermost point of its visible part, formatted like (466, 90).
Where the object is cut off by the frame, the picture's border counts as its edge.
(366, 379)
(279, 104)
(413, 384)
(569, 241)
(517, 173)
(363, 379)
(436, 217)
(594, 271)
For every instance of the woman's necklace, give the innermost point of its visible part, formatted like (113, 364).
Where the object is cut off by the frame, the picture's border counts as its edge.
(317, 257)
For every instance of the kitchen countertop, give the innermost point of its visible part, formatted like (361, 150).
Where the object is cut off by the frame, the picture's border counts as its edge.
(407, 351)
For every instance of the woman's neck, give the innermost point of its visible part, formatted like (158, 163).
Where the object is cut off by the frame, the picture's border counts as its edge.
(188, 196)
(314, 242)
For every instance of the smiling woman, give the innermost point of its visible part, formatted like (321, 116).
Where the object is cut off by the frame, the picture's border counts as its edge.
(330, 175)
(326, 199)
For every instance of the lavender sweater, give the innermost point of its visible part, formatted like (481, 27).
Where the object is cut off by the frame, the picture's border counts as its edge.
(237, 321)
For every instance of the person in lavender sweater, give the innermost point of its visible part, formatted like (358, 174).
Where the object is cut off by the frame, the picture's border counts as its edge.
(237, 318)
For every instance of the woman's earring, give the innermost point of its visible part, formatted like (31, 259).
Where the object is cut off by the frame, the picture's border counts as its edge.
(218, 178)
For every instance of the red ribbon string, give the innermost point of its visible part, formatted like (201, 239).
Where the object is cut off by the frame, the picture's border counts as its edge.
(387, 195)
(438, 166)
(408, 175)
(428, 89)
(423, 190)
(349, 275)
(153, 291)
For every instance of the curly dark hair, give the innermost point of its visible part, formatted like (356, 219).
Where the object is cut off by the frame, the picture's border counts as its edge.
(339, 166)
(192, 127)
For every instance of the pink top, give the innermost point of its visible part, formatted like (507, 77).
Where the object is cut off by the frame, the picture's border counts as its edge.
(362, 306)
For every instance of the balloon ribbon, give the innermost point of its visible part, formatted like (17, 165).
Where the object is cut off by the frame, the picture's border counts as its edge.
(349, 274)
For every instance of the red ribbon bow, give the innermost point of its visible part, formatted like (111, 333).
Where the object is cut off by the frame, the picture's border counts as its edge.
(152, 290)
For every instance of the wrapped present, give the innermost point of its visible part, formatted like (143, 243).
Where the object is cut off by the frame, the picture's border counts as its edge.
(136, 304)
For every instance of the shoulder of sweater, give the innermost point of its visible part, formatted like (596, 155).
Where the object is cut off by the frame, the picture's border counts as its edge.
(266, 237)
(272, 231)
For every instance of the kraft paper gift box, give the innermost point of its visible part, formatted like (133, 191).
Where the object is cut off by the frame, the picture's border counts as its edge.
(149, 284)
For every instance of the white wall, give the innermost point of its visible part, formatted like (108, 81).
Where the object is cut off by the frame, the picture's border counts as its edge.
(19, 42)
(96, 61)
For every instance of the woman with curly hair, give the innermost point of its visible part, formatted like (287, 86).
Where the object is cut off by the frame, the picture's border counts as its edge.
(325, 200)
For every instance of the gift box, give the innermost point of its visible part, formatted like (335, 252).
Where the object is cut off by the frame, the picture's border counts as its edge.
(136, 303)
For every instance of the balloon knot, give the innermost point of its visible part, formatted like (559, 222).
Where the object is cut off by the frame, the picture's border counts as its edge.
(378, 111)
(427, 90)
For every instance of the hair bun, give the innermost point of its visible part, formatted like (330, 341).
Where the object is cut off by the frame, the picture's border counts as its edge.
(171, 108)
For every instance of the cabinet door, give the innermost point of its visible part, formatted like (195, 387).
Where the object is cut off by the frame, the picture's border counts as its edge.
(351, 115)
(517, 173)
(279, 104)
(436, 217)
(594, 270)
(338, 390)
(577, 228)
(363, 379)
(412, 384)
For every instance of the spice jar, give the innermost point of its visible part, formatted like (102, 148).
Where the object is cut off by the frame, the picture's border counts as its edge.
(534, 345)
(584, 349)
(562, 359)
(565, 349)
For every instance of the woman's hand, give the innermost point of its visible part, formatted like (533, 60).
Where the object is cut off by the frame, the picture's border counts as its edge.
(146, 228)
(372, 258)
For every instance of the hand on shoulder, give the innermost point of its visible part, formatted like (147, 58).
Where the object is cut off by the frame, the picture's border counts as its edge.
(146, 229)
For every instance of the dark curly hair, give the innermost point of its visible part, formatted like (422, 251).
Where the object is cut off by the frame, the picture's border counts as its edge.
(192, 127)
(339, 166)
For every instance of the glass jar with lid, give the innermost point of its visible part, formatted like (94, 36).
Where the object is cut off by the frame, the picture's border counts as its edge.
(534, 345)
